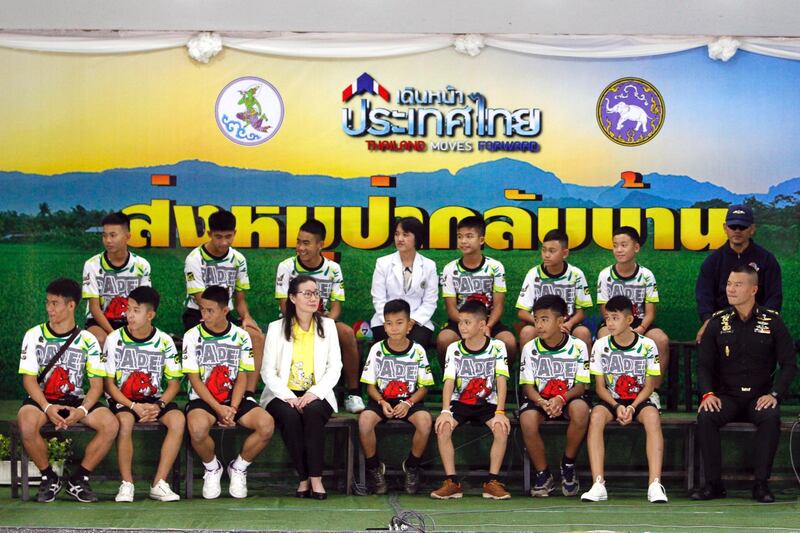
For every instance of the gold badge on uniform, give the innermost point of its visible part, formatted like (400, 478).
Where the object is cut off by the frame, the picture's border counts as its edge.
(727, 351)
(726, 325)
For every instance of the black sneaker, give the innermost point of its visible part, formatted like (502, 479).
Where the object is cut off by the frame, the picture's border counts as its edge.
(762, 494)
(49, 489)
(81, 491)
(376, 480)
(412, 478)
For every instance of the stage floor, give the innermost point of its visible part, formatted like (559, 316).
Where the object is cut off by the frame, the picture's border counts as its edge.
(267, 508)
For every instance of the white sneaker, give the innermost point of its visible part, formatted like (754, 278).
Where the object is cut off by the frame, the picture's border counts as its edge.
(163, 493)
(655, 399)
(238, 486)
(656, 492)
(125, 492)
(597, 493)
(211, 486)
(354, 404)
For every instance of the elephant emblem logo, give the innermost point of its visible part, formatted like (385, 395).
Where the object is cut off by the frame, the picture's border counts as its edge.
(630, 111)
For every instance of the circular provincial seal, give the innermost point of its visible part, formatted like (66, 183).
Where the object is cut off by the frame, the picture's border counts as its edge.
(630, 111)
(249, 111)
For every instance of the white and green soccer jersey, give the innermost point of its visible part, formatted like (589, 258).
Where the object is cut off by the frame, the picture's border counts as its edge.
(570, 284)
(397, 374)
(218, 359)
(65, 379)
(203, 270)
(112, 285)
(554, 370)
(475, 373)
(640, 287)
(138, 365)
(624, 368)
(328, 276)
(479, 283)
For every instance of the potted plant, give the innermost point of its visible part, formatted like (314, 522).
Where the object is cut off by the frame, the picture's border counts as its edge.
(59, 452)
(5, 463)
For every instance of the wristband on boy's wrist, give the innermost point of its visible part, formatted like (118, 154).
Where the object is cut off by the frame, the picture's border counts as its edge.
(706, 395)
(408, 402)
(447, 411)
(46, 407)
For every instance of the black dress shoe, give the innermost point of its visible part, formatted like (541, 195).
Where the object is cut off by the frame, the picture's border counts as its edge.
(762, 494)
(303, 493)
(709, 492)
(319, 495)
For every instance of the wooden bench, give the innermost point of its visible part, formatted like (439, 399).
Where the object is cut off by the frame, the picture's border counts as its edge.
(741, 427)
(345, 440)
(559, 426)
(50, 430)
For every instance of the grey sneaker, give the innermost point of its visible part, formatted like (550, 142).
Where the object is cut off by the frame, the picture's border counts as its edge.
(569, 481)
(376, 479)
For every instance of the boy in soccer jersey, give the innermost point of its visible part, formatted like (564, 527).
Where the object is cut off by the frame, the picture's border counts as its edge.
(217, 263)
(328, 275)
(56, 394)
(475, 376)
(137, 357)
(555, 276)
(554, 372)
(624, 365)
(218, 356)
(109, 277)
(638, 284)
(397, 375)
(474, 277)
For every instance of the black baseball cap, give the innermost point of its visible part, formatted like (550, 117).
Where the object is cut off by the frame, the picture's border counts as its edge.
(739, 215)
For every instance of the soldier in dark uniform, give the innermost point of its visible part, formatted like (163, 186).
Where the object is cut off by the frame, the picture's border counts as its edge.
(738, 355)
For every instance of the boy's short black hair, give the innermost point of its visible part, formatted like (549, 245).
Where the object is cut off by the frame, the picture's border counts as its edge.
(553, 302)
(557, 235)
(620, 304)
(222, 220)
(117, 219)
(145, 295)
(629, 231)
(474, 307)
(69, 289)
(314, 227)
(746, 269)
(218, 294)
(413, 226)
(397, 306)
(472, 222)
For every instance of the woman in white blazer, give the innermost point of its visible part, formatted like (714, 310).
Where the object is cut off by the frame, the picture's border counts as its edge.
(302, 364)
(408, 276)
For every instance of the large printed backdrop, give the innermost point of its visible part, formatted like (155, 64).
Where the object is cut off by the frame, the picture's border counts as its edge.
(279, 140)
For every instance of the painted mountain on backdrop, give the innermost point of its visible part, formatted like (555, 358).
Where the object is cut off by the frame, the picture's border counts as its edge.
(479, 186)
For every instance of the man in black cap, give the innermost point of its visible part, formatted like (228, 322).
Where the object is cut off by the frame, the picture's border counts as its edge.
(739, 250)
(738, 355)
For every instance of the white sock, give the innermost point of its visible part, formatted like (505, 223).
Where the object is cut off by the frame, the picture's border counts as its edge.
(212, 465)
(240, 464)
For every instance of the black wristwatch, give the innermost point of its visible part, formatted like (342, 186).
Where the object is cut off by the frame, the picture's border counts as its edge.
(775, 395)
(161, 404)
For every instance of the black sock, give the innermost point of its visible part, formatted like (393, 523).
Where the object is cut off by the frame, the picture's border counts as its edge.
(49, 473)
(249, 392)
(567, 461)
(80, 474)
(492, 477)
(412, 461)
(373, 462)
(354, 392)
(452, 478)
(545, 472)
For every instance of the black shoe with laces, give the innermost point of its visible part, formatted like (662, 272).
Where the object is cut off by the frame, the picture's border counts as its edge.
(412, 478)
(762, 494)
(81, 491)
(376, 479)
(49, 489)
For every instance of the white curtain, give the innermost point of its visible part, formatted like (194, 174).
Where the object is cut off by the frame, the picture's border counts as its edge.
(338, 45)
